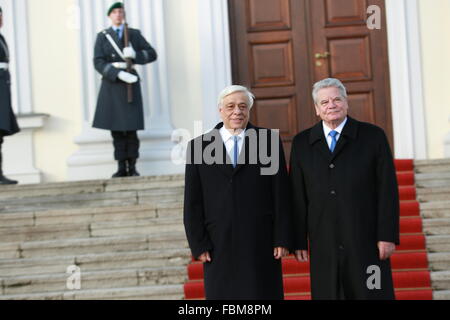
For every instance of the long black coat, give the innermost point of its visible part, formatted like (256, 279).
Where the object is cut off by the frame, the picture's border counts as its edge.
(8, 122)
(345, 202)
(239, 216)
(113, 110)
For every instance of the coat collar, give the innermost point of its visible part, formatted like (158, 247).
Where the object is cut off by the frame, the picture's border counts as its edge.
(113, 34)
(317, 138)
(350, 130)
(227, 167)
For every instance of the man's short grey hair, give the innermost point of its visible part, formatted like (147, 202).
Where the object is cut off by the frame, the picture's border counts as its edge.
(328, 83)
(236, 88)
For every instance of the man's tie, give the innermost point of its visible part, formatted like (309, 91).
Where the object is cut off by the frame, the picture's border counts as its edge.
(235, 151)
(118, 33)
(333, 135)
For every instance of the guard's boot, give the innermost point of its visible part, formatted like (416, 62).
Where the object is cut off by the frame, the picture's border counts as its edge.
(4, 180)
(132, 172)
(122, 170)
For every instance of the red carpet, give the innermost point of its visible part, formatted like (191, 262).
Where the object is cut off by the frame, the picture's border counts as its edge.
(409, 263)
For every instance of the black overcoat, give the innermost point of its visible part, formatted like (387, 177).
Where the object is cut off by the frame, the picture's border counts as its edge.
(113, 111)
(344, 203)
(239, 216)
(8, 122)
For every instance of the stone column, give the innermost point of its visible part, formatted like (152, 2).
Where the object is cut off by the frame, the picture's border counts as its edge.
(18, 150)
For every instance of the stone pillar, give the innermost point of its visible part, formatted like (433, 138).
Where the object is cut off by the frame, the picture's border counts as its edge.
(408, 114)
(18, 150)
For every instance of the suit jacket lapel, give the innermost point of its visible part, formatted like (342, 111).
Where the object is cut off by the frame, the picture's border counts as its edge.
(225, 166)
(115, 37)
(244, 154)
(318, 141)
(349, 132)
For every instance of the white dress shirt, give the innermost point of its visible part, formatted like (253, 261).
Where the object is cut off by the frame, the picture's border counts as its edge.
(327, 130)
(120, 29)
(227, 138)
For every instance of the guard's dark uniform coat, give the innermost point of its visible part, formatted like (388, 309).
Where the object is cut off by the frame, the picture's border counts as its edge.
(8, 122)
(239, 216)
(113, 110)
(345, 202)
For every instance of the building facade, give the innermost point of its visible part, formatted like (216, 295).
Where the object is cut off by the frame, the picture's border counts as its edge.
(396, 79)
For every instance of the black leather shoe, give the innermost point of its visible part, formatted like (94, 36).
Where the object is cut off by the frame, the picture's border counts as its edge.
(132, 172)
(6, 181)
(121, 171)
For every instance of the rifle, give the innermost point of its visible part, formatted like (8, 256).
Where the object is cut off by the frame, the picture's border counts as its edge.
(128, 61)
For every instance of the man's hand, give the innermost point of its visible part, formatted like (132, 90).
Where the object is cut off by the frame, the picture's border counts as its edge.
(280, 252)
(127, 77)
(129, 53)
(205, 257)
(386, 249)
(301, 255)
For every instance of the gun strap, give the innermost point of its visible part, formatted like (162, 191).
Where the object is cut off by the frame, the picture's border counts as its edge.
(114, 44)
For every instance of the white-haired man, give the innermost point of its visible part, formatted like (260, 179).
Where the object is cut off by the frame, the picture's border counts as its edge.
(346, 202)
(238, 219)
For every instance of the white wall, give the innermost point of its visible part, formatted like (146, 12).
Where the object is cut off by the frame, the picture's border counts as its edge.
(183, 61)
(435, 33)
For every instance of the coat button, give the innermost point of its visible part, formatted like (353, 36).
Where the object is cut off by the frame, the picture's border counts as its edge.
(332, 166)
(341, 247)
(333, 192)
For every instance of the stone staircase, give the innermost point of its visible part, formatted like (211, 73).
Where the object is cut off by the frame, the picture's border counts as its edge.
(125, 235)
(433, 193)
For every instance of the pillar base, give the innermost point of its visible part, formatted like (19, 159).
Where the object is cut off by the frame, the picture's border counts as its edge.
(18, 150)
(95, 157)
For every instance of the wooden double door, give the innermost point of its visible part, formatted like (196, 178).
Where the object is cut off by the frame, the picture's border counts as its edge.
(280, 48)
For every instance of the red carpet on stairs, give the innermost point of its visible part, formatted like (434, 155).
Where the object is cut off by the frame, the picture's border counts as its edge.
(409, 263)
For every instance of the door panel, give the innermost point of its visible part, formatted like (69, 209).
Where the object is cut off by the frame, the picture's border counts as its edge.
(274, 46)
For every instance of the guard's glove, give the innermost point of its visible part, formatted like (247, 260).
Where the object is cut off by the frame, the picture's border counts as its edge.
(129, 53)
(127, 77)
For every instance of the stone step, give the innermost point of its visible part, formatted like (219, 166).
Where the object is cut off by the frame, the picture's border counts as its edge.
(89, 215)
(142, 227)
(9, 250)
(42, 232)
(433, 194)
(92, 186)
(439, 261)
(433, 179)
(435, 209)
(161, 292)
(96, 262)
(117, 243)
(440, 280)
(83, 200)
(41, 203)
(428, 166)
(106, 279)
(436, 226)
(441, 295)
(440, 243)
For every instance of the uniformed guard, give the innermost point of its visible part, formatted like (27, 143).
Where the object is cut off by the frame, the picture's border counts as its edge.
(119, 105)
(8, 122)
